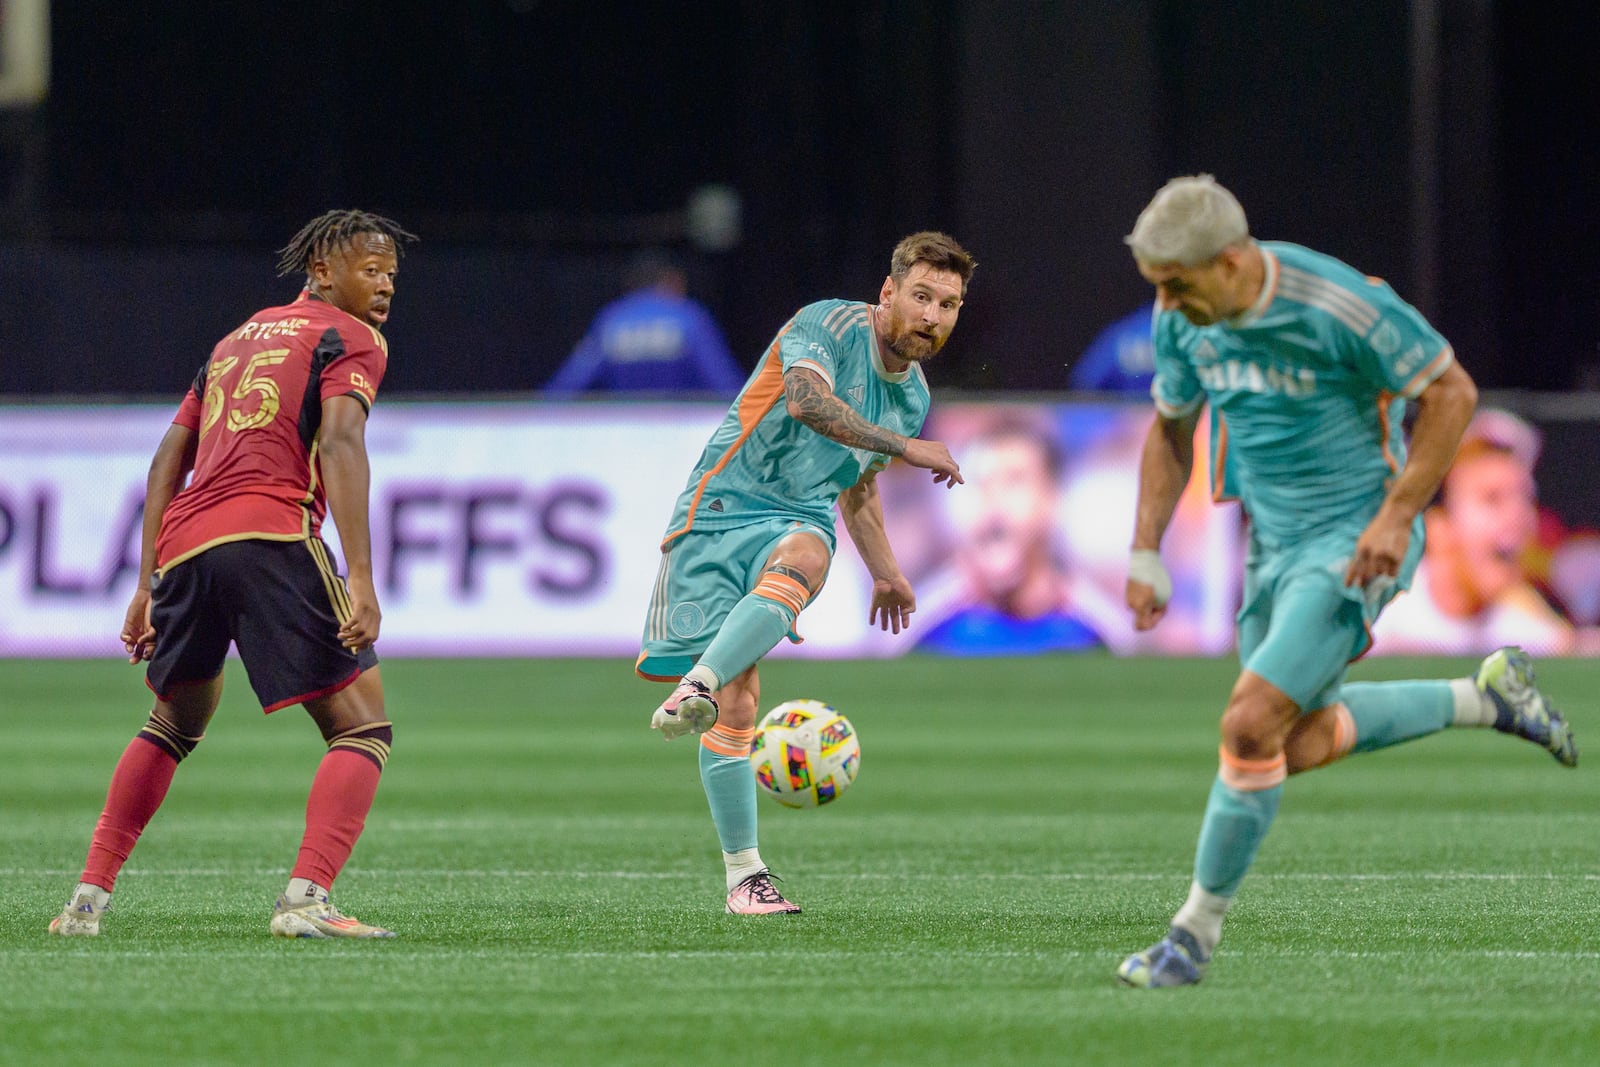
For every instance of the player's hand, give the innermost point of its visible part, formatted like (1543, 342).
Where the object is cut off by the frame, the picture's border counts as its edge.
(1149, 588)
(892, 604)
(360, 630)
(1380, 549)
(138, 636)
(1147, 611)
(933, 456)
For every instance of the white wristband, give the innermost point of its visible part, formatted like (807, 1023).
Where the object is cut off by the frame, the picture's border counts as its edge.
(1144, 566)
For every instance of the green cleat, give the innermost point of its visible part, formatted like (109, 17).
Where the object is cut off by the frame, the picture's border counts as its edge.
(1173, 961)
(1520, 709)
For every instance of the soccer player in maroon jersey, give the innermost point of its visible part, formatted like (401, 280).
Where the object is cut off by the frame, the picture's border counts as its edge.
(273, 429)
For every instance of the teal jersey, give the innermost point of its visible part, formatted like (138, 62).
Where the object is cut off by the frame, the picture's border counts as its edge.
(1307, 389)
(761, 463)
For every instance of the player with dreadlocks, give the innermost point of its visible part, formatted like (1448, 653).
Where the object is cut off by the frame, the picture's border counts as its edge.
(273, 429)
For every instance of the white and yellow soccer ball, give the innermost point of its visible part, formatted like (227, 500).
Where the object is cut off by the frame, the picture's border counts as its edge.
(805, 753)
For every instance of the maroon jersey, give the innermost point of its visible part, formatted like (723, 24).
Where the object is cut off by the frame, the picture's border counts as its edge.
(257, 404)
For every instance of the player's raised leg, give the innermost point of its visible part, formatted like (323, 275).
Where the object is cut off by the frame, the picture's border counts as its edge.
(342, 792)
(753, 627)
(1369, 716)
(138, 786)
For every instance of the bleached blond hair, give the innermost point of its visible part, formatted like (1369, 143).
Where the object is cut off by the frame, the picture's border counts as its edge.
(1188, 222)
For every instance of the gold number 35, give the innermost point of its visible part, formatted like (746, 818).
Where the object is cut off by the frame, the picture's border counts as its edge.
(248, 383)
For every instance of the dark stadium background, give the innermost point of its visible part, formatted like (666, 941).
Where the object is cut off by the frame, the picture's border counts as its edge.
(1447, 146)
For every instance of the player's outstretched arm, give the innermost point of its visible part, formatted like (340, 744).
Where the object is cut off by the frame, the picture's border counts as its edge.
(893, 600)
(171, 464)
(1164, 468)
(348, 476)
(1444, 409)
(811, 401)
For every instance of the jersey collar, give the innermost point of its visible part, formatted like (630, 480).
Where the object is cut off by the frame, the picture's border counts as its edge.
(1269, 290)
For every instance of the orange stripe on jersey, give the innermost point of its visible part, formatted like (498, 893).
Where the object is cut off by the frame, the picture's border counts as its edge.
(726, 741)
(1252, 775)
(1384, 400)
(1427, 374)
(759, 397)
(1218, 461)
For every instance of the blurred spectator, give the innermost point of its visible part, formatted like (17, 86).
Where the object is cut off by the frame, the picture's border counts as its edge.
(1472, 593)
(1121, 359)
(654, 338)
(1010, 592)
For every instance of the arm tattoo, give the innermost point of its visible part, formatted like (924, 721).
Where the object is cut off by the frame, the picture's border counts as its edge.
(834, 419)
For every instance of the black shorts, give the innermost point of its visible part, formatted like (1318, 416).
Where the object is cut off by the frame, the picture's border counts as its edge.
(280, 602)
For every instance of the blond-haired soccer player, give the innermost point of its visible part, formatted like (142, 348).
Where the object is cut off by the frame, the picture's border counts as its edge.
(839, 392)
(1307, 365)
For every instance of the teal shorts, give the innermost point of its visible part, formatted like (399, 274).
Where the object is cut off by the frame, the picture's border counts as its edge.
(1300, 626)
(702, 576)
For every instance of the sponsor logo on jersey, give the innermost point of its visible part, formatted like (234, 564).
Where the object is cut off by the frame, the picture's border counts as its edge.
(1235, 376)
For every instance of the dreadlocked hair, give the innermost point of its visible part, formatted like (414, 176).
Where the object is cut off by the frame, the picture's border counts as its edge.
(333, 230)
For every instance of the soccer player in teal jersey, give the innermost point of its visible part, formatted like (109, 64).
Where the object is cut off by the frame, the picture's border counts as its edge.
(839, 392)
(1307, 365)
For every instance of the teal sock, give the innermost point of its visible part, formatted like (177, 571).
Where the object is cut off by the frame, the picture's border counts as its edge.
(754, 626)
(1236, 822)
(730, 787)
(1387, 713)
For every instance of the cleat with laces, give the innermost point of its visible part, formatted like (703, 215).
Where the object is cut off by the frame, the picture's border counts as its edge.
(81, 916)
(690, 709)
(756, 895)
(1173, 961)
(1506, 676)
(318, 918)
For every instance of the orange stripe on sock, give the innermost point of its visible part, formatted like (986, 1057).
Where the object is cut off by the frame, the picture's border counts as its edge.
(1344, 732)
(1252, 775)
(787, 591)
(726, 741)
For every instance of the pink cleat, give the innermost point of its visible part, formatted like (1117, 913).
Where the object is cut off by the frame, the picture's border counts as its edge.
(756, 895)
(690, 709)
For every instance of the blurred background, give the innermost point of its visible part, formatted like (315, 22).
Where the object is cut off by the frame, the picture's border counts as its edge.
(151, 160)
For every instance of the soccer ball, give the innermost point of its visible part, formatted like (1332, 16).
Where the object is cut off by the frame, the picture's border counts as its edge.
(805, 753)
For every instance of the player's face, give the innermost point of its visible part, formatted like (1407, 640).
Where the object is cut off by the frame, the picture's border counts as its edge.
(359, 277)
(918, 312)
(1006, 523)
(1202, 294)
(1494, 517)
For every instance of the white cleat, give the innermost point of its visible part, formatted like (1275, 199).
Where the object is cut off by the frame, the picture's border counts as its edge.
(318, 918)
(81, 917)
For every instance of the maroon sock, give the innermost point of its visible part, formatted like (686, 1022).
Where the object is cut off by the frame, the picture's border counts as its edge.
(138, 786)
(341, 796)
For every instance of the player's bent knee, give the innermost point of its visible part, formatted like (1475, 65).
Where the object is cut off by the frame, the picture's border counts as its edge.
(371, 740)
(165, 735)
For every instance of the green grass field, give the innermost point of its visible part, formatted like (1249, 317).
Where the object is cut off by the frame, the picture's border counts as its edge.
(1018, 827)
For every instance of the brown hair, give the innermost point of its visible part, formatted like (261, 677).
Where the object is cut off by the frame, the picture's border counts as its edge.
(938, 250)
